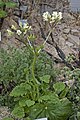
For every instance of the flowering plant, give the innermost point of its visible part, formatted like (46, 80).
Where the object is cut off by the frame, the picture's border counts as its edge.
(34, 98)
(55, 16)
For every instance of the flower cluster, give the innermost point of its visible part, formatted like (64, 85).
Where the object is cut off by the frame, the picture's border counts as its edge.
(23, 29)
(55, 16)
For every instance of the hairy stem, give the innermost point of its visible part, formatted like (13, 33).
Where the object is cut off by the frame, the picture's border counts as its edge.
(33, 75)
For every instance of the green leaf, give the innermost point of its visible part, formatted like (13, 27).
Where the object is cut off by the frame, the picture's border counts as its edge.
(59, 87)
(29, 103)
(10, 4)
(18, 112)
(52, 97)
(45, 78)
(7, 118)
(59, 111)
(20, 90)
(64, 92)
(2, 14)
(24, 101)
(2, 4)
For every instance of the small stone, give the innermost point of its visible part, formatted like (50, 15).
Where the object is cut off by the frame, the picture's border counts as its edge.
(74, 39)
(75, 32)
(61, 41)
(66, 31)
(68, 16)
(69, 44)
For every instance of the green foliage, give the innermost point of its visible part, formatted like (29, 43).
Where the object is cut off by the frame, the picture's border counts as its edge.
(74, 91)
(47, 104)
(18, 112)
(15, 68)
(7, 118)
(3, 4)
(57, 110)
(59, 87)
(2, 14)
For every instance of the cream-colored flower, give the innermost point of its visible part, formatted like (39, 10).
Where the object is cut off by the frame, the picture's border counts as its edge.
(19, 32)
(46, 16)
(13, 27)
(9, 32)
(56, 15)
(60, 15)
(26, 26)
(30, 28)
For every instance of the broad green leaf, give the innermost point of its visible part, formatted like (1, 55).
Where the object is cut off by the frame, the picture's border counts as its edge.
(23, 102)
(7, 118)
(20, 90)
(59, 111)
(2, 14)
(59, 87)
(29, 103)
(50, 98)
(18, 112)
(45, 78)
(10, 4)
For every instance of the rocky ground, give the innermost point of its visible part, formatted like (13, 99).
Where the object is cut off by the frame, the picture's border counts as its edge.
(67, 35)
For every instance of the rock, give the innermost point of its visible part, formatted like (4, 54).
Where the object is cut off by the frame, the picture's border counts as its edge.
(50, 49)
(67, 16)
(67, 50)
(4, 112)
(69, 44)
(74, 39)
(12, 22)
(61, 41)
(66, 31)
(75, 32)
(65, 36)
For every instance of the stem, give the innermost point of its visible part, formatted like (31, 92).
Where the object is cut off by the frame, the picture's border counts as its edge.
(45, 41)
(33, 75)
(33, 67)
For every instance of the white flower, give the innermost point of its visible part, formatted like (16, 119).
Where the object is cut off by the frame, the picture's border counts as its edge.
(56, 15)
(25, 32)
(9, 32)
(60, 15)
(19, 32)
(13, 27)
(30, 28)
(46, 16)
(25, 26)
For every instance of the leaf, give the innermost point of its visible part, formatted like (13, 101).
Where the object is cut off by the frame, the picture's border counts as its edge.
(59, 111)
(7, 118)
(18, 112)
(59, 87)
(10, 4)
(45, 78)
(2, 14)
(23, 102)
(50, 98)
(2, 4)
(29, 103)
(20, 90)
(64, 92)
